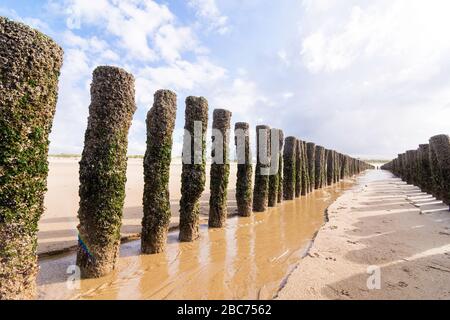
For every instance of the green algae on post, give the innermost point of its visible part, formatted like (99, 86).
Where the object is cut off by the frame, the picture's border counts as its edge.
(244, 192)
(311, 154)
(440, 166)
(156, 200)
(280, 167)
(261, 186)
(220, 168)
(298, 169)
(289, 170)
(29, 71)
(103, 168)
(274, 179)
(193, 174)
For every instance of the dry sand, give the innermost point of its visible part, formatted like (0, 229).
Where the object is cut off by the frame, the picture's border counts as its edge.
(58, 225)
(376, 225)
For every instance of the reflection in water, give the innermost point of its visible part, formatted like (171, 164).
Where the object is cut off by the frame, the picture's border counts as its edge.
(248, 259)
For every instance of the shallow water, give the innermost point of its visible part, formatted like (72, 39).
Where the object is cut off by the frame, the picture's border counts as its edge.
(249, 259)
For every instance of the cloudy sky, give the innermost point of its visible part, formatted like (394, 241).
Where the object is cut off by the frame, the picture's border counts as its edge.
(366, 77)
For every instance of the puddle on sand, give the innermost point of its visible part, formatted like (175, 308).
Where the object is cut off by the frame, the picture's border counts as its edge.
(248, 259)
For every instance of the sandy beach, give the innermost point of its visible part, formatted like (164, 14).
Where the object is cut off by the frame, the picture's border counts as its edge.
(248, 259)
(372, 226)
(375, 232)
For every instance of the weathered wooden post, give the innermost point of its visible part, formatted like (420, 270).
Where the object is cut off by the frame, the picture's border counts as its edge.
(336, 175)
(304, 168)
(425, 175)
(298, 169)
(289, 170)
(193, 174)
(261, 188)
(156, 200)
(280, 168)
(410, 166)
(103, 169)
(244, 196)
(274, 178)
(311, 153)
(330, 167)
(319, 167)
(338, 166)
(29, 71)
(440, 166)
(220, 168)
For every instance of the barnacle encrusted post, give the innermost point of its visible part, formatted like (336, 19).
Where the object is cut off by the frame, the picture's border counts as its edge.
(336, 173)
(262, 170)
(425, 176)
(156, 200)
(103, 168)
(330, 167)
(29, 69)
(280, 167)
(220, 168)
(345, 169)
(440, 166)
(193, 174)
(304, 168)
(319, 167)
(274, 178)
(311, 153)
(289, 170)
(244, 169)
(410, 160)
(298, 169)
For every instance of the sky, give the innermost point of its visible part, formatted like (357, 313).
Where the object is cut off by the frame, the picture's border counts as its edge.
(369, 78)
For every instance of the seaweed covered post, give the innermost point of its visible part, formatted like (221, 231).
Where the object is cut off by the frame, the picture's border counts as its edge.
(289, 170)
(274, 177)
(440, 166)
(304, 168)
(103, 168)
(311, 153)
(298, 169)
(330, 167)
(424, 168)
(193, 174)
(244, 169)
(220, 168)
(410, 161)
(262, 170)
(29, 72)
(156, 200)
(319, 167)
(280, 167)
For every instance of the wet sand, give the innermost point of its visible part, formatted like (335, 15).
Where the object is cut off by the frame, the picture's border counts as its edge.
(377, 225)
(249, 259)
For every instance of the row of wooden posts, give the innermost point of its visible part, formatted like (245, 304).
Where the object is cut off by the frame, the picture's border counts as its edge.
(30, 68)
(427, 167)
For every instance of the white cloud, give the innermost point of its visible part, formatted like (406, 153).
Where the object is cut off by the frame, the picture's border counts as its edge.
(411, 35)
(179, 76)
(208, 10)
(136, 23)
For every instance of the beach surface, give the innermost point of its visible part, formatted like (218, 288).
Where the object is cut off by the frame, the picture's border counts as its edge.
(248, 259)
(377, 244)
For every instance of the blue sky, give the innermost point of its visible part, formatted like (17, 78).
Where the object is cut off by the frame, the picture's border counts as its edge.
(368, 78)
